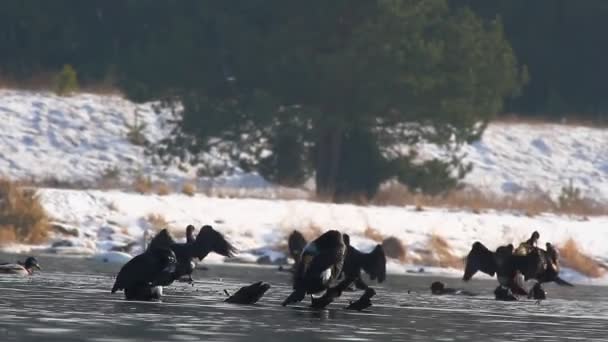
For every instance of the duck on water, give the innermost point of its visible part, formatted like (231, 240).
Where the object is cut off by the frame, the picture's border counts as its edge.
(22, 268)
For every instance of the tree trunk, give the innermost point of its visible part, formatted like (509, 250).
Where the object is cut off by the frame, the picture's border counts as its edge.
(327, 161)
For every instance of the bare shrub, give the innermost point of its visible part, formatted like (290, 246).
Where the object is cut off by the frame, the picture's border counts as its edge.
(163, 189)
(571, 256)
(7, 235)
(373, 234)
(394, 248)
(189, 189)
(22, 212)
(135, 131)
(530, 203)
(142, 184)
(438, 252)
(157, 222)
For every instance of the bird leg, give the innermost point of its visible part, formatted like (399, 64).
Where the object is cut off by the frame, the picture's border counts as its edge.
(360, 284)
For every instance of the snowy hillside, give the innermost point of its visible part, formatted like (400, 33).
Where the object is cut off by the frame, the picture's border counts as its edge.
(79, 138)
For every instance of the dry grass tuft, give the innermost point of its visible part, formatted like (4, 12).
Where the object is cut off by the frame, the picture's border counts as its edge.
(157, 222)
(394, 248)
(312, 231)
(531, 203)
(22, 214)
(163, 189)
(571, 256)
(439, 253)
(189, 189)
(142, 184)
(7, 235)
(373, 234)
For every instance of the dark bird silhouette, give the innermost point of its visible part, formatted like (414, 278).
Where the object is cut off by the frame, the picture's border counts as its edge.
(504, 294)
(320, 263)
(438, 288)
(190, 234)
(140, 277)
(22, 268)
(537, 292)
(538, 264)
(364, 302)
(296, 243)
(248, 294)
(208, 240)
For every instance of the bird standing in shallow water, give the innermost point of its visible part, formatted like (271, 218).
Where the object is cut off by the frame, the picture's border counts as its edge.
(143, 276)
(21, 268)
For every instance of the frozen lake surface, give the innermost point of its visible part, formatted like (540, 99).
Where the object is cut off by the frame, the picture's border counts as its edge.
(71, 301)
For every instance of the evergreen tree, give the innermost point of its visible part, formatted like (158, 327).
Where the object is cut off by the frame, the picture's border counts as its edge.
(388, 71)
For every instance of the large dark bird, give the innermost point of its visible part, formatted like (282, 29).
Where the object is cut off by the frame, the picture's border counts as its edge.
(143, 276)
(320, 263)
(208, 240)
(296, 243)
(248, 294)
(538, 264)
(21, 268)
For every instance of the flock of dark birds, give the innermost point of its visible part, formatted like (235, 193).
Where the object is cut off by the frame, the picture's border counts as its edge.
(323, 268)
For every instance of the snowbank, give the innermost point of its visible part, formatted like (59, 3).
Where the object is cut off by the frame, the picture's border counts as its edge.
(110, 219)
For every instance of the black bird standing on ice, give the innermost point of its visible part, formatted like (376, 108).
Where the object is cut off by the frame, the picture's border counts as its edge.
(143, 276)
(320, 263)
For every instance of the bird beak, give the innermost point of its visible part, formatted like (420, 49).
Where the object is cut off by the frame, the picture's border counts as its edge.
(36, 266)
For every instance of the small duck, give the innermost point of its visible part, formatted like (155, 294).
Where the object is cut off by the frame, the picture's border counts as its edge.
(537, 292)
(21, 268)
(248, 294)
(438, 288)
(504, 294)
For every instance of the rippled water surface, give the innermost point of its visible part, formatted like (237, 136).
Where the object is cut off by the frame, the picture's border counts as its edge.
(71, 301)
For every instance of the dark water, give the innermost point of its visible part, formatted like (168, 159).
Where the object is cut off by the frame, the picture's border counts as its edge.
(71, 301)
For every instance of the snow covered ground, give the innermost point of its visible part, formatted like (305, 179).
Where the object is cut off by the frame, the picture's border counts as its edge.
(109, 219)
(77, 139)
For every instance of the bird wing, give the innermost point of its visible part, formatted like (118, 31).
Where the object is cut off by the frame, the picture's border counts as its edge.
(162, 240)
(374, 264)
(328, 259)
(481, 259)
(210, 240)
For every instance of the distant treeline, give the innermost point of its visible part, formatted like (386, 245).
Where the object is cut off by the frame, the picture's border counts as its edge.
(563, 43)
